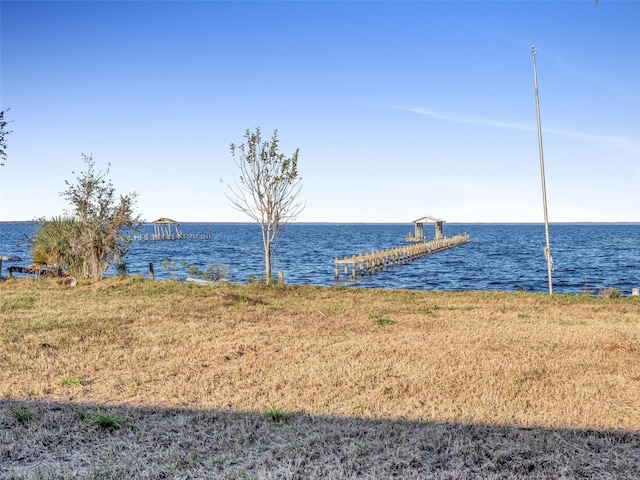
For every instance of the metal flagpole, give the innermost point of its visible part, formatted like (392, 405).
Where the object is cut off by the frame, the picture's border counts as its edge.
(547, 250)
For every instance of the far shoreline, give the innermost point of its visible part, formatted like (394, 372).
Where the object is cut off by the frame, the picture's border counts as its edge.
(13, 222)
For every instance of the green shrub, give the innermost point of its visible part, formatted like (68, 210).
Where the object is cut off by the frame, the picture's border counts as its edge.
(23, 415)
(276, 414)
(70, 382)
(212, 272)
(109, 422)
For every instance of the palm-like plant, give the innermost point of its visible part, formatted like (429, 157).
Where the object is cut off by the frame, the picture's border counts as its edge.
(53, 246)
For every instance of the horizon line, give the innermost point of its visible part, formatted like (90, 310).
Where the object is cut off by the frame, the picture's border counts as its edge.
(577, 222)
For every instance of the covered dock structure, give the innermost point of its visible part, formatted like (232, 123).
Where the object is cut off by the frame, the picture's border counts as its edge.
(418, 235)
(168, 229)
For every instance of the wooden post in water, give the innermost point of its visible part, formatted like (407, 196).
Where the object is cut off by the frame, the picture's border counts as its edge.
(151, 274)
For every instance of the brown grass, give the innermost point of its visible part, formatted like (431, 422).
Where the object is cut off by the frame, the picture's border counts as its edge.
(371, 383)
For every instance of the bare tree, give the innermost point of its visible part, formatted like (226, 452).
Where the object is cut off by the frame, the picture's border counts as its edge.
(267, 189)
(3, 136)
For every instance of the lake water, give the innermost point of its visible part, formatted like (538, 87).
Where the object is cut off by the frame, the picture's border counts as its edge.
(498, 257)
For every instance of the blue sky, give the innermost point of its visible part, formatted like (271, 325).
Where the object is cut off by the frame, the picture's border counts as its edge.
(400, 109)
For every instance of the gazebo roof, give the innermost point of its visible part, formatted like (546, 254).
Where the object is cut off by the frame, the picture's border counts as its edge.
(427, 219)
(165, 221)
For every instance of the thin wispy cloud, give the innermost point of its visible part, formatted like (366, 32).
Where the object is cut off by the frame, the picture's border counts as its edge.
(469, 120)
(620, 142)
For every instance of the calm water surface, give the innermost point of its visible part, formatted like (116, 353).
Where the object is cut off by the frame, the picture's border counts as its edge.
(499, 257)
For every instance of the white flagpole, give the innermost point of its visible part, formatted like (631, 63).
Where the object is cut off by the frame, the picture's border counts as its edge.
(547, 250)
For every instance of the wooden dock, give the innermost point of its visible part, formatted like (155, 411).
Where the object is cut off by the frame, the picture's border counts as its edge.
(181, 236)
(377, 261)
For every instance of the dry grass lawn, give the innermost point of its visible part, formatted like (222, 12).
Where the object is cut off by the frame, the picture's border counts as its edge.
(128, 378)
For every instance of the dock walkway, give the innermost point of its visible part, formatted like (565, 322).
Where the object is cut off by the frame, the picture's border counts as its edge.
(377, 261)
